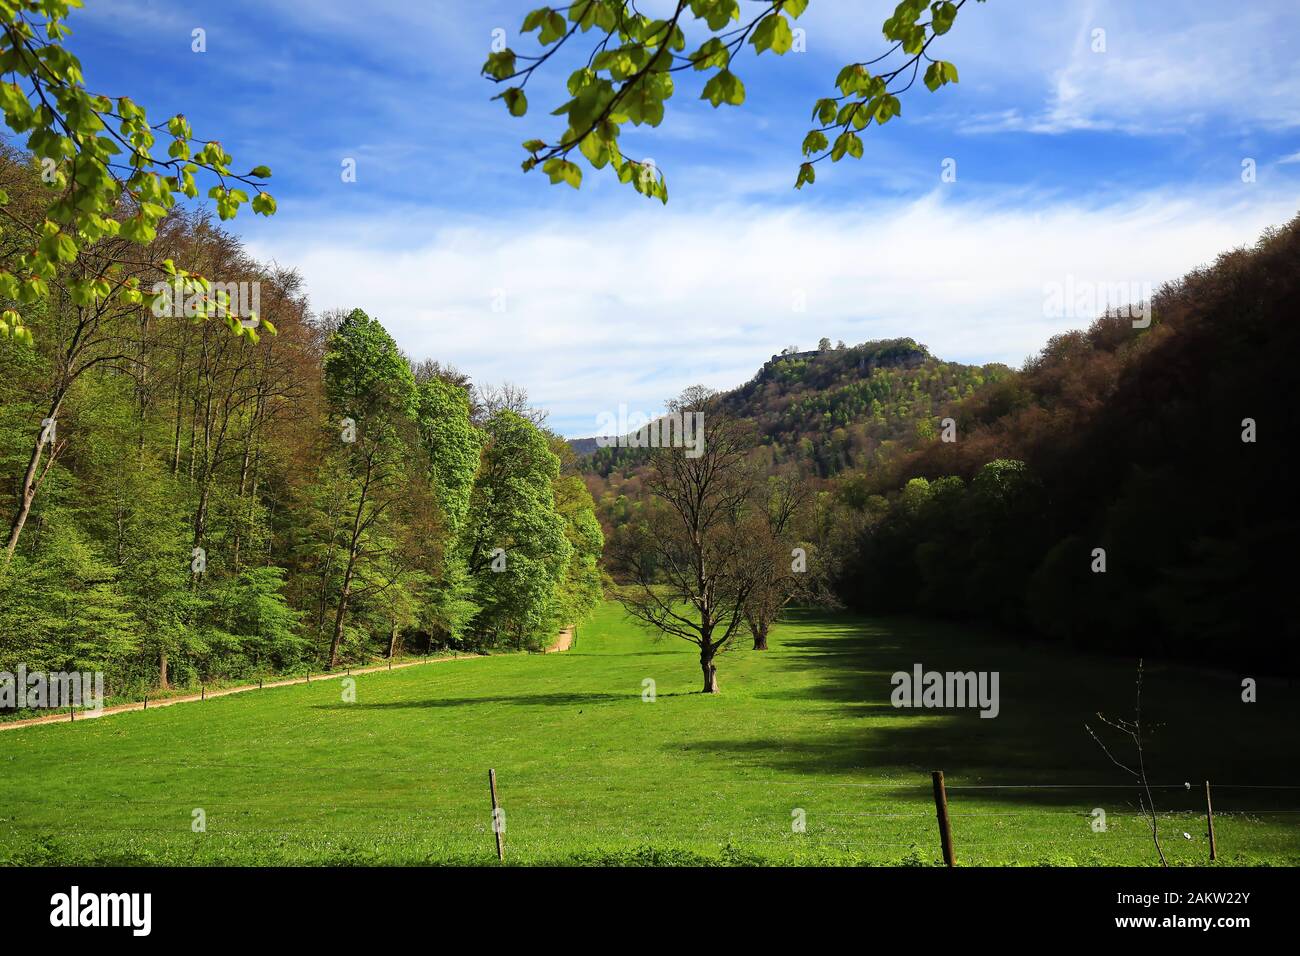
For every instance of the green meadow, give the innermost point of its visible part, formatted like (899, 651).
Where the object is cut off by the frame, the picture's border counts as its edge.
(592, 770)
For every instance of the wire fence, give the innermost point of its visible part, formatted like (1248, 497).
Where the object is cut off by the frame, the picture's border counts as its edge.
(933, 819)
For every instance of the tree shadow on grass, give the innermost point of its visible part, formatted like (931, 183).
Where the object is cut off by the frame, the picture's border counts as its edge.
(1038, 743)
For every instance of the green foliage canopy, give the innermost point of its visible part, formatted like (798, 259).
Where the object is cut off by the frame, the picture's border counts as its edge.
(627, 76)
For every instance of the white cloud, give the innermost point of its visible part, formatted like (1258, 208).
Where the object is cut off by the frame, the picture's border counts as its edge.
(631, 309)
(1162, 70)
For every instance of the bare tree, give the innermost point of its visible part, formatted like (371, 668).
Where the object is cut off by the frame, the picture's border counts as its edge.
(777, 569)
(691, 565)
(487, 400)
(1133, 730)
(428, 369)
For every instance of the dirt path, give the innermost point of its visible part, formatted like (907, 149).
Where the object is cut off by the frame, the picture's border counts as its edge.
(563, 641)
(222, 692)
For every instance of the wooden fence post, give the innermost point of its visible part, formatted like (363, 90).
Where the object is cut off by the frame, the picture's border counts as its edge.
(497, 822)
(146, 702)
(941, 810)
(1209, 821)
(72, 714)
(203, 692)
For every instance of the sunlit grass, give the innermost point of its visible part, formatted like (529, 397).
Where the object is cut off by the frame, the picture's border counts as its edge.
(590, 771)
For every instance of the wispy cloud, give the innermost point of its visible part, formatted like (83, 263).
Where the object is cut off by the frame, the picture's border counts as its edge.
(1136, 69)
(588, 314)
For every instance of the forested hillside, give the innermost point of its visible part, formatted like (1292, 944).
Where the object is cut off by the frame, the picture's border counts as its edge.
(836, 408)
(1125, 491)
(187, 499)
(817, 413)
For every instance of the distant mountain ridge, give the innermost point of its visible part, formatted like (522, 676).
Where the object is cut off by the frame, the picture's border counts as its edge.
(583, 446)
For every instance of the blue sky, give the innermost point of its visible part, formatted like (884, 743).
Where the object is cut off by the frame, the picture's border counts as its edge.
(1122, 166)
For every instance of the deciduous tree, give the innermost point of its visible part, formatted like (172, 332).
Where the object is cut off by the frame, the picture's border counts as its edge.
(690, 563)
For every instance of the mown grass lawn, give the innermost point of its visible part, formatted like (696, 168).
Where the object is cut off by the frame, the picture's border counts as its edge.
(589, 771)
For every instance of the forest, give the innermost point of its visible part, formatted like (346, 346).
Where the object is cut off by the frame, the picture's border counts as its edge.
(194, 504)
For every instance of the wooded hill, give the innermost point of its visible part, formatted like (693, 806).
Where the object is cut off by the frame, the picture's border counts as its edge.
(833, 408)
(1161, 450)
(819, 413)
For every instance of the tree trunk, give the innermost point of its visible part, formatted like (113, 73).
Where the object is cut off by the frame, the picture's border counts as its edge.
(353, 549)
(27, 491)
(710, 674)
(180, 415)
(244, 466)
(201, 512)
(760, 636)
(162, 671)
(26, 495)
(338, 617)
(392, 641)
(194, 434)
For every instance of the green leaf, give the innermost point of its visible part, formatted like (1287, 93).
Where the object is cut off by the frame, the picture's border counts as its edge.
(516, 102)
(933, 77)
(553, 28)
(712, 53)
(773, 33)
(562, 171)
(848, 143)
(941, 17)
(853, 79)
(716, 13)
(938, 73)
(594, 147)
(814, 142)
(500, 65)
(724, 87)
(535, 19)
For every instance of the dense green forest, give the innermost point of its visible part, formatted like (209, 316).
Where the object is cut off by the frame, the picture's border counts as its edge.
(1120, 492)
(184, 503)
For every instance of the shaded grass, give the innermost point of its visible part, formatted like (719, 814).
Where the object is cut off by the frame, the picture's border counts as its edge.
(590, 773)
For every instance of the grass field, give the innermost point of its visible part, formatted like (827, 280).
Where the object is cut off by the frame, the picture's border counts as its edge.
(589, 772)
